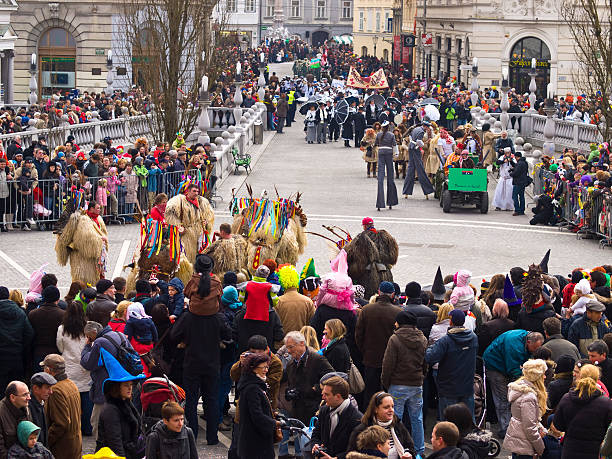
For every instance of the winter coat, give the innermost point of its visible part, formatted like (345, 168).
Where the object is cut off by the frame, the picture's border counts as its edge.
(585, 421)
(119, 427)
(16, 335)
(581, 333)
(532, 321)
(294, 309)
(163, 443)
(10, 417)
(557, 388)
(176, 303)
(257, 425)
(141, 330)
(243, 329)
(375, 325)
(117, 325)
(100, 309)
(63, 412)
(559, 346)
(71, 349)
(37, 452)
(426, 318)
(324, 312)
(90, 356)
(450, 452)
(476, 444)
(490, 330)
(456, 353)
(45, 321)
(209, 305)
(338, 355)
(404, 360)
(523, 434)
(281, 108)
(520, 173)
(37, 411)
(338, 442)
(507, 353)
(305, 376)
(401, 432)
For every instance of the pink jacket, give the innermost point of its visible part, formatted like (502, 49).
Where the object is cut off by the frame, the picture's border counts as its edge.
(463, 295)
(101, 196)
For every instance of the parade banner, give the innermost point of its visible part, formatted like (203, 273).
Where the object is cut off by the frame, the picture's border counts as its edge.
(377, 80)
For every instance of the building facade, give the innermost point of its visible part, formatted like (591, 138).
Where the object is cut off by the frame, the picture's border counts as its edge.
(372, 28)
(500, 33)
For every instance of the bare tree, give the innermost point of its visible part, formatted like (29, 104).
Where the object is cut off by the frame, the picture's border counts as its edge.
(164, 41)
(590, 24)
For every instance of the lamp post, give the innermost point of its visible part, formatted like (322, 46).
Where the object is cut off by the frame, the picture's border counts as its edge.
(204, 99)
(261, 81)
(238, 94)
(505, 103)
(549, 128)
(375, 40)
(474, 88)
(33, 98)
(532, 86)
(109, 75)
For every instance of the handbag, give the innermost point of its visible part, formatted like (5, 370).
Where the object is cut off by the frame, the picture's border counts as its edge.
(395, 151)
(355, 380)
(369, 152)
(307, 434)
(154, 359)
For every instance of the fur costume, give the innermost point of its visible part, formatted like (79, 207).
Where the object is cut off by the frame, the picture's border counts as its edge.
(544, 211)
(80, 243)
(367, 142)
(336, 288)
(180, 212)
(371, 255)
(228, 254)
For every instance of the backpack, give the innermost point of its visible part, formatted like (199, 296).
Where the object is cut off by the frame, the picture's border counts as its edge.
(127, 357)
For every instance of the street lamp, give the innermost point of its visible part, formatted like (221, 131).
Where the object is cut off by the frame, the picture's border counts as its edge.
(33, 98)
(549, 128)
(532, 86)
(505, 103)
(261, 81)
(109, 75)
(475, 86)
(375, 40)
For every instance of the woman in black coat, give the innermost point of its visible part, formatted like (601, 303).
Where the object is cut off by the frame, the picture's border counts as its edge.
(336, 352)
(584, 414)
(119, 424)
(257, 424)
(562, 381)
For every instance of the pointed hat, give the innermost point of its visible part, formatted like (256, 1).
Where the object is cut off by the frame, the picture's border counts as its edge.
(438, 289)
(116, 373)
(510, 294)
(544, 262)
(309, 270)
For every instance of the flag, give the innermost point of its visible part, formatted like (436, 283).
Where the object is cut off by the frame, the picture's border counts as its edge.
(315, 63)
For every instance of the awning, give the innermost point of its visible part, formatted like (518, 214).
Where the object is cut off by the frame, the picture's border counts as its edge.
(347, 39)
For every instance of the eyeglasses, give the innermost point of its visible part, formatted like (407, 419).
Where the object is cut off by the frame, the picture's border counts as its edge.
(25, 395)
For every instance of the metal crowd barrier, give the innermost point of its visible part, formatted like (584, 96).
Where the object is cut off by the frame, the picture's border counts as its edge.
(48, 197)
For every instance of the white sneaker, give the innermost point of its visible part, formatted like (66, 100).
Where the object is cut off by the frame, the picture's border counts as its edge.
(26, 228)
(31, 221)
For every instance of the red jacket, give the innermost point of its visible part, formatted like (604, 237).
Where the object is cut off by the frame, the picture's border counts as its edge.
(157, 214)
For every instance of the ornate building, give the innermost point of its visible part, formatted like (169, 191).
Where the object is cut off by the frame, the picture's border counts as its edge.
(372, 28)
(499, 33)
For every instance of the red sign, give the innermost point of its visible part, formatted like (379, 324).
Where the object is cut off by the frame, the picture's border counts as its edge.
(406, 55)
(426, 39)
(397, 48)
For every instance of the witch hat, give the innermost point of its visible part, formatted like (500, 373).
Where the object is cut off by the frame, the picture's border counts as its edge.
(438, 289)
(544, 262)
(116, 373)
(309, 270)
(510, 294)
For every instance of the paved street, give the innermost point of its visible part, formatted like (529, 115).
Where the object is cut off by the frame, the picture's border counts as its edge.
(335, 190)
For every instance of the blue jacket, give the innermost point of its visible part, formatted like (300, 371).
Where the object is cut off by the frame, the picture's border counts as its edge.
(142, 330)
(176, 303)
(581, 335)
(456, 354)
(507, 353)
(152, 182)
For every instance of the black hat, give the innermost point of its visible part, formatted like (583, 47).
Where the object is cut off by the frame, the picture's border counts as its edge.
(438, 289)
(413, 289)
(88, 293)
(50, 294)
(230, 278)
(565, 364)
(406, 318)
(544, 262)
(457, 317)
(203, 263)
(4, 293)
(103, 285)
(143, 286)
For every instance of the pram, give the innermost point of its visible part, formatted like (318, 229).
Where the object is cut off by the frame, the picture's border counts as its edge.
(480, 404)
(154, 393)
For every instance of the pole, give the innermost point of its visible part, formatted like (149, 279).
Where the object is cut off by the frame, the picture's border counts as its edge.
(424, 33)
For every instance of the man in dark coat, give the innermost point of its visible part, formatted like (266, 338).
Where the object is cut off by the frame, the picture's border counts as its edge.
(360, 126)
(532, 320)
(555, 342)
(375, 325)
(45, 321)
(14, 148)
(17, 339)
(100, 309)
(414, 304)
(304, 372)
(40, 391)
(202, 336)
(337, 419)
(13, 410)
(520, 181)
(598, 355)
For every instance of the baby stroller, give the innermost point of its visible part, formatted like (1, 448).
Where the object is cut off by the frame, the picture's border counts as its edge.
(154, 393)
(480, 405)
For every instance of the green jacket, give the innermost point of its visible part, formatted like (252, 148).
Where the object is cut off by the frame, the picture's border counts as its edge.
(450, 113)
(143, 173)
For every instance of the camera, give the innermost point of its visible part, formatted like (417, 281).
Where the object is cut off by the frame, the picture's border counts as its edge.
(292, 394)
(318, 452)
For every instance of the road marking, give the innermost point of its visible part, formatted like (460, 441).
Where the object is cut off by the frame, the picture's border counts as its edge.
(122, 254)
(15, 265)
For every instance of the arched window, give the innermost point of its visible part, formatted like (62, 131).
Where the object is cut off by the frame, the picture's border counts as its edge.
(364, 51)
(56, 61)
(519, 62)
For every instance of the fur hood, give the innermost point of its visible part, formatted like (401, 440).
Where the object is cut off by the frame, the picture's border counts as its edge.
(357, 455)
(519, 388)
(479, 436)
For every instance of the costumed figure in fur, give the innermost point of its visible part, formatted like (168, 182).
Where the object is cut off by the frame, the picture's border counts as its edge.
(273, 229)
(546, 211)
(370, 152)
(371, 255)
(228, 251)
(194, 217)
(83, 241)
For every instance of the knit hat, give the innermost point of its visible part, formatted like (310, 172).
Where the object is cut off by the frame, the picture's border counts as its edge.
(565, 364)
(103, 285)
(584, 287)
(230, 278)
(386, 287)
(142, 286)
(577, 276)
(50, 294)
(457, 317)
(534, 369)
(367, 221)
(230, 297)
(4, 293)
(413, 289)
(263, 271)
(406, 318)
